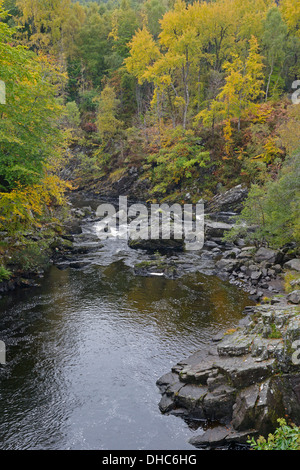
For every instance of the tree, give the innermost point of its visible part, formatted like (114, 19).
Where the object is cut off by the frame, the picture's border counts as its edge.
(29, 136)
(177, 160)
(243, 82)
(154, 10)
(291, 14)
(289, 130)
(273, 209)
(93, 48)
(274, 42)
(50, 25)
(124, 24)
(11, 8)
(214, 22)
(243, 86)
(107, 123)
(144, 52)
(290, 10)
(180, 39)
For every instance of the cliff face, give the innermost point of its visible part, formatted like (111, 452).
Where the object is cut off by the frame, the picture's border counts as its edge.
(246, 381)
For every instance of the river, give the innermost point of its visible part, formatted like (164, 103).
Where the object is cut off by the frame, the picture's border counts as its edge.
(84, 350)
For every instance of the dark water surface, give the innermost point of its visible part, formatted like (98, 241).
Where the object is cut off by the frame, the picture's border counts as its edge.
(85, 349)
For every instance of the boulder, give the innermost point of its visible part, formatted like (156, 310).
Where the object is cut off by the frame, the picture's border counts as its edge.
(233, 253)
(227, 265)
(73, 227)
(256, 275)
(231, 200)
(265, 254)
(294, 297)
(235, 345)
(157, 245)
(293, 264)
(216, 229)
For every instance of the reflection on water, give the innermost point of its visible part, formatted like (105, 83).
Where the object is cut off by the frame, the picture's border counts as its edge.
(85, 349)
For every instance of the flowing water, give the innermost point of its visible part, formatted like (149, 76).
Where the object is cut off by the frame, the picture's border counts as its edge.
(85, 348)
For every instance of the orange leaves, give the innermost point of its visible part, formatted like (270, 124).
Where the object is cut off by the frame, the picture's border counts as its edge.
(261, 113)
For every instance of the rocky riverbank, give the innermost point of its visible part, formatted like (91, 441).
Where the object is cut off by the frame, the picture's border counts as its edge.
(244, 382)
(260, 270)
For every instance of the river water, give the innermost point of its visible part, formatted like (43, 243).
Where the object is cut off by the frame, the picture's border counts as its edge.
(84, 350)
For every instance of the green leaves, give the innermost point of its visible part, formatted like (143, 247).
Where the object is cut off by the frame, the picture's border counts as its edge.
(285, 437)
(274, 41)
(5, 274)
(273, 209)
(107, 123)
(28, 131)
(180, 156)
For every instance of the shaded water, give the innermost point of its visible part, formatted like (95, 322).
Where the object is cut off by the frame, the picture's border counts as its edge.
(85, 349)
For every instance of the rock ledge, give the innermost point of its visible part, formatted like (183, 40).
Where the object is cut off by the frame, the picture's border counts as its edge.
(244, 383)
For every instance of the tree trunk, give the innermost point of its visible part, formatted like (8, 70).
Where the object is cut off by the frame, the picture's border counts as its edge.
(269, 81)
(185, 74)
(158, 118)
(187, 101)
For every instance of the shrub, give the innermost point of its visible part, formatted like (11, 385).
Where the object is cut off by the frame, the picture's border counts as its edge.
(273, 209)
(285, 437)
